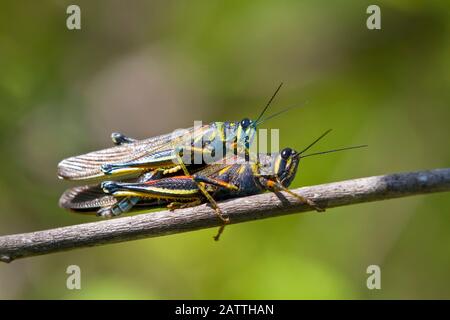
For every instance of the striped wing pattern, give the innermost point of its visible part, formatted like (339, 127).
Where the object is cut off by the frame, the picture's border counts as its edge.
(85, 198)
(88, 166)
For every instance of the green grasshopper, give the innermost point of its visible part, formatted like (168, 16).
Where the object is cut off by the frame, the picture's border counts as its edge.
(183, 150)
(221, 180)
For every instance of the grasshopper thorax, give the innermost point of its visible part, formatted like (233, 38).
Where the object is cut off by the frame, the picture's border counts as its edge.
(239, 134)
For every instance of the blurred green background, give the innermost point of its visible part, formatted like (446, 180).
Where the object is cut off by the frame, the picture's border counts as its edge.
(149, 67)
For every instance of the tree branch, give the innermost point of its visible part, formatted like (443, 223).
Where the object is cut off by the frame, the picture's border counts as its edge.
(239, 210)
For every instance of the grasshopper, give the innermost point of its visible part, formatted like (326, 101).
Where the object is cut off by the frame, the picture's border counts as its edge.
(167, 153)
(221, 180)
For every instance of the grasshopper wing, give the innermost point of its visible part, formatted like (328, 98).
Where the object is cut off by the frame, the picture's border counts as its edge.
(86, 199)
(88, 166)
(90, 198)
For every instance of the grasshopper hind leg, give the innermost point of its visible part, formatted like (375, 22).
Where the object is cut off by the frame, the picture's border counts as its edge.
(187, 193)
(277, 186)
(127, 203)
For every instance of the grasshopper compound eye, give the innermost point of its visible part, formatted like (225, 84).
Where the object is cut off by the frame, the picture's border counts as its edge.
(286, 153)
(245, 123)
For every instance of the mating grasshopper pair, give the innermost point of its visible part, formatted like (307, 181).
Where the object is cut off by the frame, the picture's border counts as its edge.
(161, 156)
(149, 170)
(220, 180)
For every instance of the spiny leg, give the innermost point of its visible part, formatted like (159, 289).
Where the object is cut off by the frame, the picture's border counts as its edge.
(277, 186)
(308, 201)
(176, 188)
(181, 188)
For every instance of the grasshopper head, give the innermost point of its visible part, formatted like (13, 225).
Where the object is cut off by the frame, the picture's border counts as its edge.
(285, 166)
(286, 162)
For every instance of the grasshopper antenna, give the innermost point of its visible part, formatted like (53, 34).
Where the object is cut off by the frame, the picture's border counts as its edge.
(270, 101)
(335, 150)
(277, 114)
(315, 141)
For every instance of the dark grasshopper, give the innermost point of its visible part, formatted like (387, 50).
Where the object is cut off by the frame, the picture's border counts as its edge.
(221, 180)
(166, 154)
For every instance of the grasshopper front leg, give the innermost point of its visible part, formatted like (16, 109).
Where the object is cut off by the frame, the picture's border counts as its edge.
(275, 186)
